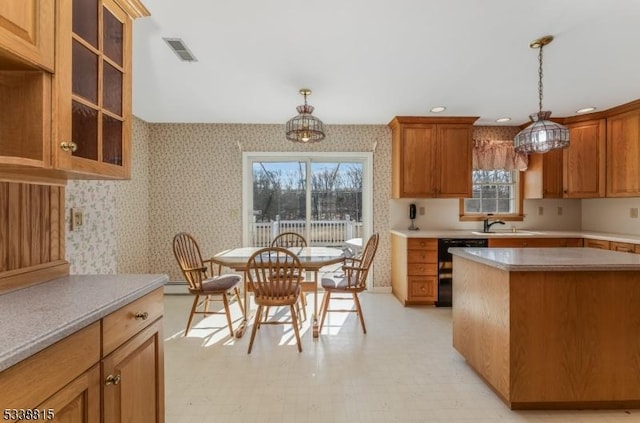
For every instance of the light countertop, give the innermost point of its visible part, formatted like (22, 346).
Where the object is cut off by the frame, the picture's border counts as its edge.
(521, 233)
(550, 259)
(36, 317)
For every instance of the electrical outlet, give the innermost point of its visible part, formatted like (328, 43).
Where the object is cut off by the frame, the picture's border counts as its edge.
(421, 211)
(76, 219)
(633, 212)
(540, 210)
(559, 211)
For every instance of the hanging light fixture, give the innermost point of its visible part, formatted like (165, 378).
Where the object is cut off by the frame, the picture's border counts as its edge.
(543, 134)
(305, 127)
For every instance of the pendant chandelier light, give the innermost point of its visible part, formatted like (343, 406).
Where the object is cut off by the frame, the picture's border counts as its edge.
(305, 128)
(543, 134)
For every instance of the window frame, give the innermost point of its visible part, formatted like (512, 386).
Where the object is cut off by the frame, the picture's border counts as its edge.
(518, 216)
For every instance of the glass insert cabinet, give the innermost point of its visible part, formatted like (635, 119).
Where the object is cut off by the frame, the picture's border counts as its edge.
(94, 98)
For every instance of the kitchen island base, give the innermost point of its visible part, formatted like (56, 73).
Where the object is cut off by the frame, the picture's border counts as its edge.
(550, 339)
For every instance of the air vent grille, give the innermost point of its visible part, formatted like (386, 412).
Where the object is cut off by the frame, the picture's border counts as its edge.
(180, 49)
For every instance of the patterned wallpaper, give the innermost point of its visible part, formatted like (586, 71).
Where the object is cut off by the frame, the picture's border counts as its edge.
(196, 183)
(114, 237)
(187, 177)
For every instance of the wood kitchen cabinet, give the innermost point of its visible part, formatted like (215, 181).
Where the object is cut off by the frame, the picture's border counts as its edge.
(27, 32)
(92, 87)
(414, 273)
(68, 116)
(585, 160)
(431, 157)
(534, 242)
(543, 177)
(115, 365)
(623, 154)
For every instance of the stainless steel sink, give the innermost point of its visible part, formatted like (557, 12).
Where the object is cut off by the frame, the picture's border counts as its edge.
(506, 233)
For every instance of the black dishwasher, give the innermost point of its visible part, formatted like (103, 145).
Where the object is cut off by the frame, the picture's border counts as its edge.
(445, 265)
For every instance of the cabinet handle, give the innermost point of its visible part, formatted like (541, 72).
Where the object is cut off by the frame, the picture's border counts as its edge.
(112, 380)
(141, 315)
(69, 146)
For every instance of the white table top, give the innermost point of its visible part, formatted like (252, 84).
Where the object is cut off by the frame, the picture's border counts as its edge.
(311, 258)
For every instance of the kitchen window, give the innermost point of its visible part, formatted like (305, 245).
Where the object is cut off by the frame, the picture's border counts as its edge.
(498, 192)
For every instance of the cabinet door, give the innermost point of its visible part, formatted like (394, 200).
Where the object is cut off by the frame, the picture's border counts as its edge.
(418, 161)
(133, 379)
(423, 288)
(584, 160)
(78, 402)
(27, 31)
(543, 177)
(93, 89)
(454, 160)
(623, 155)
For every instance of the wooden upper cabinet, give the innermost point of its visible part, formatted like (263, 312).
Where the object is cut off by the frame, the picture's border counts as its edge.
(455, 149)
(431, 157)
(623, 155)
(543, 177)
(585, 160)
(27, 32)
(416, 147)
(93, 94)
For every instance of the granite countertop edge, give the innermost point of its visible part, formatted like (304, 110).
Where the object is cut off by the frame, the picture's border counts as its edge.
(132, 287)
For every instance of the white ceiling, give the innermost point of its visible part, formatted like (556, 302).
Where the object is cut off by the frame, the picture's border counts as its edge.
(369, 60)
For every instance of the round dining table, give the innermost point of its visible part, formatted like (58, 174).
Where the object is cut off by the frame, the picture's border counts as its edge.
(312, 259)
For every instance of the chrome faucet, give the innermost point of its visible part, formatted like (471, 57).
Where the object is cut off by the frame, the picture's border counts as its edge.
(487, 226)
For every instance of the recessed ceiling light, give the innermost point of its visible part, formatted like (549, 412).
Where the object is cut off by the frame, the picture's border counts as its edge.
(438, 109)
(503, 119)
(585, 110)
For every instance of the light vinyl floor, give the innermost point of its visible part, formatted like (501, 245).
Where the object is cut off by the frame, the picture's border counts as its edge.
(403, 370)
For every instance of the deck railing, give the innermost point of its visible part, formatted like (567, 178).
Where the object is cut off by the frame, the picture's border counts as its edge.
(326, 233)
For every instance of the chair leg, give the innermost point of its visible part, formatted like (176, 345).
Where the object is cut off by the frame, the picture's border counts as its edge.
(237, 291)
(359, 310)
(206, 305)
(324, 308)
(256, 322)
(303, 302)
(227, 311)
(193, 311)
(266, 313)
(294, 323)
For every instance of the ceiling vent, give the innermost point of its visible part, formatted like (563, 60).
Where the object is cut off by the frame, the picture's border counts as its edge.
(178, 46)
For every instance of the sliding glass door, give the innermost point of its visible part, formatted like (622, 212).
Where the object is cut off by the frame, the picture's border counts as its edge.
(324, 197)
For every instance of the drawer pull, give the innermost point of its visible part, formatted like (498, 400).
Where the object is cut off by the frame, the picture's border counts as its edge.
(141, 315)
(112, 380)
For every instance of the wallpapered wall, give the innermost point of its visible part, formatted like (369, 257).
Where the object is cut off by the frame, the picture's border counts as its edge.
(196, 183)
(115, 234)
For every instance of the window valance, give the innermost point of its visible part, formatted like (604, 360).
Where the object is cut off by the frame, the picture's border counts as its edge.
(497, 155)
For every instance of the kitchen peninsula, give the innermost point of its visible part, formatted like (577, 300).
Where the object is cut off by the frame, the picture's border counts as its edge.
(550, 327)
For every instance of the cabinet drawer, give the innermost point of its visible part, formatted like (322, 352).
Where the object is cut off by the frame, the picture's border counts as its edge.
(423, 288)
(124, 323)
(418, 269)
(28, 383)
(597, 243)
(422, 243)
(422, 256)
(624, 247)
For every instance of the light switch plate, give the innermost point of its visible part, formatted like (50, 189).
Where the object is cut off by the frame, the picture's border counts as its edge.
(76, 219)
(633, 212)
